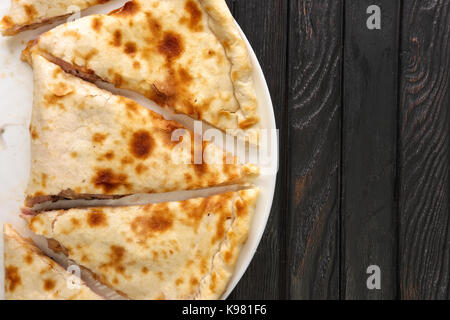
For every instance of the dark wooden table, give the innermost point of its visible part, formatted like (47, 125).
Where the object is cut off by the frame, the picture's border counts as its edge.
(365, 148)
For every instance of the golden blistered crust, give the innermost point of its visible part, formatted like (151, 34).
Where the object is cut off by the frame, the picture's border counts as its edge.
(30, 275)
(30, 14)
(224, 261)
(186, 55)
(221, 22)
(175, 250)
(87, 142)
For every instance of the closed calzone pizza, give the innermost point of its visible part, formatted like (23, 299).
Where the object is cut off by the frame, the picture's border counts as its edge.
(175, 250)
(185, 55)
(89, 143)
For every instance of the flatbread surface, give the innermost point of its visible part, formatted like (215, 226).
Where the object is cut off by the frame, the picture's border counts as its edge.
(30, 275)
(86, 141)
(186, 55)
(30, 14)
(175, 250)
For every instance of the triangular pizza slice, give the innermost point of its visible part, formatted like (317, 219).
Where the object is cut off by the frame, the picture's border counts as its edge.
(30, 14)
(186, 55)
(89, 143)
(31, 275)
(175, 250)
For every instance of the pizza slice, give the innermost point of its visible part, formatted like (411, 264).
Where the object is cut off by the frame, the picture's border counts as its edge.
(89, 143)
(31, 275)
(30, 14)
(175, 250)
(186, 55)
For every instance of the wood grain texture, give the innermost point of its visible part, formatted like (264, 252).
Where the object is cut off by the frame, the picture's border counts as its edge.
(313, 156)
(369, 215)
(424, 241)
(265, 24)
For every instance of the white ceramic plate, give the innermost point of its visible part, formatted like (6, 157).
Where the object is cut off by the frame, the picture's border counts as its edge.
(16, 96)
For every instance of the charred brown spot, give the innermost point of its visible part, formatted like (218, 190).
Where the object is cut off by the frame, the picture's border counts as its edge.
(69, 33)
(118, 80)
(97, 218)
(241, 208)
(188, 177)
(203, 266)
(99, 137)
(62, 89)
(140, 168)
(129, 9)
(49, 284)
(28, 258)
(7, 22)
(220, 228)
(44, 180)
(109, 155)
(201, 168)
(194, 281)
(136, 65)
(247, 123)
(126, 161)
(34, 134)
(90, 54)
(109, 181)
(166, 132)
(226, 44)
(159, 221)
(117, 38)
(195, 16)
(171, 45)
(116, 257)
(30, 11)
(117, 254)
(132, 106)
(228, 256)
(154, 25)
(144, 270)
(141, 144)
(75, 222)
(57, 72)
(12, 278)
(96, 24)
(213, 284)
(178, 281)
(52, 100)
(73, 154)
(184, 76)
(130, 48)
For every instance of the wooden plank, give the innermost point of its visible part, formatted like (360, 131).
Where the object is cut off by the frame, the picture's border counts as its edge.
(313, 159)
(424, 193)
(265, 24)
(369, 216)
